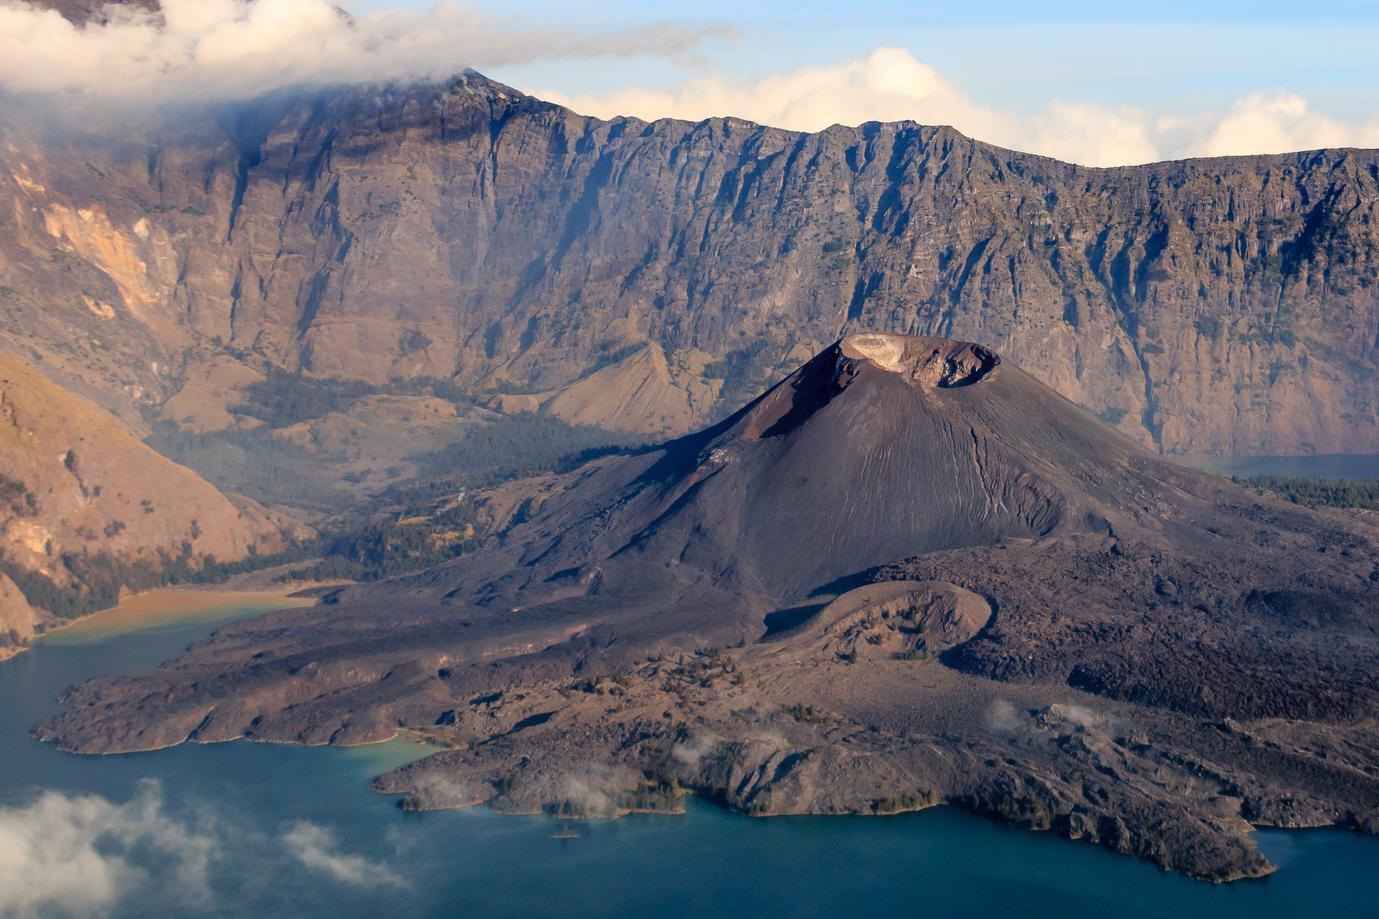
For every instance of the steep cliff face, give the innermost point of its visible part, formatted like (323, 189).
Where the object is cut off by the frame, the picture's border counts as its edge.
(464, 230)
(87, 510)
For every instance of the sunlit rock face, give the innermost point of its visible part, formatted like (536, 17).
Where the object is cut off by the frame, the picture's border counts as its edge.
(932, 361)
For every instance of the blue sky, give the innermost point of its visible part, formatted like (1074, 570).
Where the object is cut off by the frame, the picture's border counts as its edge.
(1179, 77)
(1187, 56)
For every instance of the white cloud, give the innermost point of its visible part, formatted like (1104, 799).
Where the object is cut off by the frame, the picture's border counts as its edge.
(316, 848)
(1001, 717)
(890, 84)
(83, 855)
(1280, 122)
(1086, 133)
(886, 85)
(692, 749)
(231, 48)
(80, 855)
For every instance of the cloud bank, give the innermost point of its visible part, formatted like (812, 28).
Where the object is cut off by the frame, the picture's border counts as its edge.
(234, 48)
(83, 855)
(887, 85)
(1277, 122)
(80, 855)
(890, 84)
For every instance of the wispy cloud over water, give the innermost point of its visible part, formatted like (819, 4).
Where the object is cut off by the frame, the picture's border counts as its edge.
(317, 848)
(85, 855)
(82, 854)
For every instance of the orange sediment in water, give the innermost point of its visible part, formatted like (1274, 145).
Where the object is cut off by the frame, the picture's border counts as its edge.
(156, 608)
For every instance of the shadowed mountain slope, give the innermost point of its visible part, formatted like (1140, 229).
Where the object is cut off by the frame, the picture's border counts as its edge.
(909, 573)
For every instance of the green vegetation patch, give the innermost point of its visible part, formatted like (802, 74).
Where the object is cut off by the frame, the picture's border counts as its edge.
(397, 541)
(1112, 415)
(1362, 493)
(101, 578)
(282, 399)
(515, 446)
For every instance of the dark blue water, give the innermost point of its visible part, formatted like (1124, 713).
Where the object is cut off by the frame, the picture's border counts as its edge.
(281, 830)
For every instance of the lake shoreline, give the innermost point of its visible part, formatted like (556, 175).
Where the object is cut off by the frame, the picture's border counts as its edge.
(954, 863)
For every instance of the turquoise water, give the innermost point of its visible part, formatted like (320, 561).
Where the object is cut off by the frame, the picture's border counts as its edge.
(1326, 466)
(259, 813)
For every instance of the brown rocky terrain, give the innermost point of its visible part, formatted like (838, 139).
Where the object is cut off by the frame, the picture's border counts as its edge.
(907, 574)
(19, 622)
(523, 253)
(86, 509)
